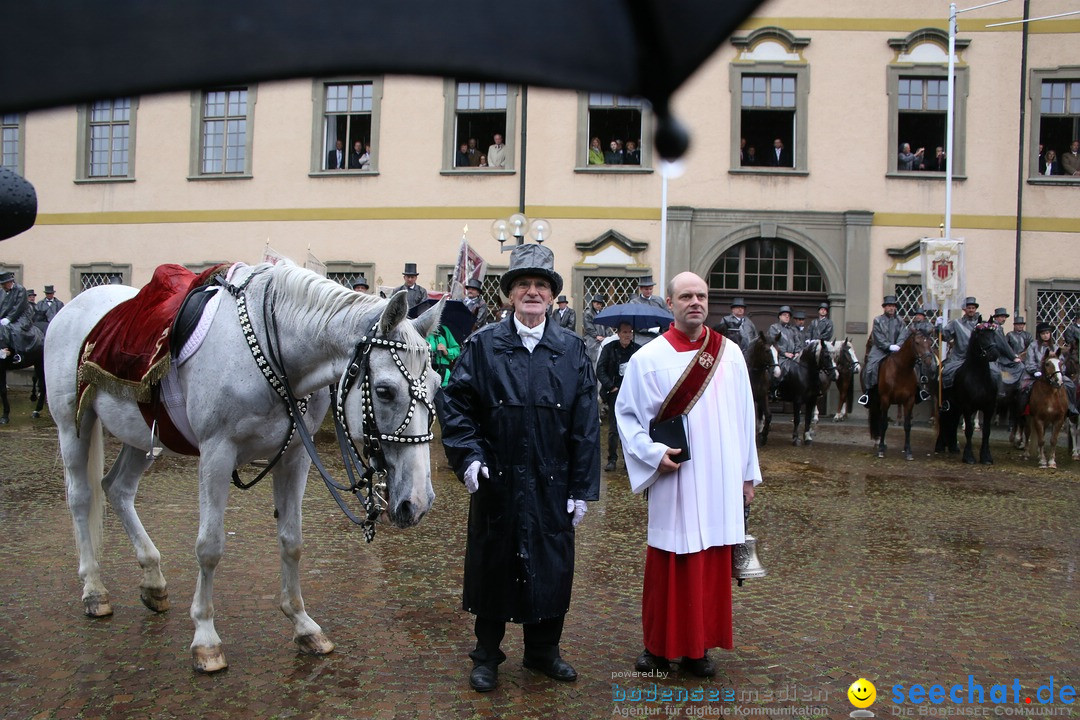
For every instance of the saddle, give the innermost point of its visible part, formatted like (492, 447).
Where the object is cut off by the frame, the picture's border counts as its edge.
(130, 349)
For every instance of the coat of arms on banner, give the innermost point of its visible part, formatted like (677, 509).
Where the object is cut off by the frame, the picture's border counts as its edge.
(943, 271)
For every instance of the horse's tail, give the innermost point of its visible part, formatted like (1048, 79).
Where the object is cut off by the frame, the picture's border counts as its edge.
(95, 471)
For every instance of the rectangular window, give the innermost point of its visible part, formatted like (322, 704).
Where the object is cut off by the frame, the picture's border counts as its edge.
(224, 143)
(347, 114)
(614, 130)
(922, 105)
(1059, 117)
(10, 141)
(769, 114)
(480, 113)
(109, 135)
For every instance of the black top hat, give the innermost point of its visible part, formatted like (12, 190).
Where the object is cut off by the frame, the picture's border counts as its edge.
(30, 292)
(1019, 320)
(49, 289)
(888, 300)
(359, 281)
(645, 281)
(738, 302)
(919, 311)
(474, 284)
(784, 309)
(562, 299)
(598, 298)
(800, 315)
(1043, 326)
(531, 259)
(969, 300)
(7, 277)
(1001, 311)
(410, 269)
(823, 306)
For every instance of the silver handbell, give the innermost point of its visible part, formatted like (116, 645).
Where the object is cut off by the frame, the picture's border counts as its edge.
(744, 558)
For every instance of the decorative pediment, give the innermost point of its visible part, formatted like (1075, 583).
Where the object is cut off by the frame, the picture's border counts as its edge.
(926, 46)
(769, 44)
(610, 248)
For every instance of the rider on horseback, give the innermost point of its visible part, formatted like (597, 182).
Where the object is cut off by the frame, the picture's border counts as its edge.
(1008, 368)
(887, 335)
(1033, 363)
(17, 334)
(740, 326)
(821, 327)
(958, 334)
(788, 344)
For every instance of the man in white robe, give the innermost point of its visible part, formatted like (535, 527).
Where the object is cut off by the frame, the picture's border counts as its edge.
(695, 507)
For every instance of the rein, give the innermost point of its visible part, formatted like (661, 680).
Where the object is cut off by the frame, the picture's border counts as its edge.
(362, 468)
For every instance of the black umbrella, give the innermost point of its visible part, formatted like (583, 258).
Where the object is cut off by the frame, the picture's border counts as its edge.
(456, 317)
(69, 51)
(639, 315)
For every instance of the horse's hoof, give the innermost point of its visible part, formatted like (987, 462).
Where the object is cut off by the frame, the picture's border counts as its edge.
(881, 454)
(97, 606)
(315, 644)
(1042, 464)
(986, 461)
(908, 455)
(207, 659)
(808, 443)
(35, 414)
(969, 461)
(33, 397)
(1052, 465)
(796, 442)
(4, 420)
(156, 599)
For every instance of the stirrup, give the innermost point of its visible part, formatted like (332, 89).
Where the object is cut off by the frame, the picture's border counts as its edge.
(864, 400)
(945, 406)
(16, 358)
(923, 394)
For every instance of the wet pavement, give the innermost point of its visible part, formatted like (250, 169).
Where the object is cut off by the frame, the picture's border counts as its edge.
(908, 574)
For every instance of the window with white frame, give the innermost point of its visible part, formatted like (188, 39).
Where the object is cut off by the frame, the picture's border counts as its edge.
(225, 117)
(107, 139)
(482, 115)
(615, 131)
(11, 142)
(1058, 119)
(348, 114)
(770, 87)
(918, 87)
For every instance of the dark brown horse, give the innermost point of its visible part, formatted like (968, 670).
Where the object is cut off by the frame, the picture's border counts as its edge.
(1047, 408)
(898, 385)
(763, 364)
(31, 359)
(807, 379)
(973, 391)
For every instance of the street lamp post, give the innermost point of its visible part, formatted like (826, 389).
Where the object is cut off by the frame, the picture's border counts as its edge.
(518, 227)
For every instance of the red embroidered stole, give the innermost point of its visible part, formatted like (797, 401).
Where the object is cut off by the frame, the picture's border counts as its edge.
(696, 376)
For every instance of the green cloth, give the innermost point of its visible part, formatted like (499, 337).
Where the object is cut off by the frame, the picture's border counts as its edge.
(443, 363)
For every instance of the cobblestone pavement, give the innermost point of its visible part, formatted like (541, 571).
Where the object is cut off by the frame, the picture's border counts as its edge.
(905, 573)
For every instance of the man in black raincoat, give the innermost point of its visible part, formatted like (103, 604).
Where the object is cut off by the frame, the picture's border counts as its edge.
(520, 426)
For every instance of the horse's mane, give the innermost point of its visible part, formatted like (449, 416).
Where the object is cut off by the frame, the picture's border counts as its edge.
(302, 297)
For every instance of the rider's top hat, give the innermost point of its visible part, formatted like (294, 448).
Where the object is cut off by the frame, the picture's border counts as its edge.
(410, 269)
(474, 284)
(31, 293)
(534, 260)
(784, 309)
(1019, 320)
(919, 311)
(1001, 311)
(645, 281)
(823, 306)
(969, 300)
(562, 299)
(1043, 326)
(598, 298)
(49, 289)
(800, 315)
(738, 302)
(888, 300)
(7, 277)
(359, 281)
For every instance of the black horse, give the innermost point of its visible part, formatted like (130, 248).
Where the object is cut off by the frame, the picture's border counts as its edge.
(973, 391)
(762, 363)
(807, 380)
(33, 358)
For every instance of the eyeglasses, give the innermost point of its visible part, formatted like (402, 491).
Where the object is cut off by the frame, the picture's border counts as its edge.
(526, 284)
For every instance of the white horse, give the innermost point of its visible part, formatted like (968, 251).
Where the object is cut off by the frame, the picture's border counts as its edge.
(318, 333)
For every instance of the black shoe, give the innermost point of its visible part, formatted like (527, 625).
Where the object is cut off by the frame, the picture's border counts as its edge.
(557, 669)
(647, 662)
(702, 666)
(484, 678)
(610, 466)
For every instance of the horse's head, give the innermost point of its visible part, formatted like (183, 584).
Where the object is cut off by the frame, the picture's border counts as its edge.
(849, 352)
(762, 356)
(393, 412)
(923, 345)
(826, 361)
(1052, 366)
(983, 345)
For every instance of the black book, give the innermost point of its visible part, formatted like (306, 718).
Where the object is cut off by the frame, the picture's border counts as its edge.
(672, 432)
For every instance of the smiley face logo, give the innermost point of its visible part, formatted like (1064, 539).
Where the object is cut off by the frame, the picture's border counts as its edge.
(862, 693)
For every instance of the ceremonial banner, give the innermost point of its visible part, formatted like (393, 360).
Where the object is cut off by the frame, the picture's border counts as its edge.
(315, 264)
(943, 273)
(469, 266)
(272, 256)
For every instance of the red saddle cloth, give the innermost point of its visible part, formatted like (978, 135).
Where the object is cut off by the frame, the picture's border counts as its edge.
(128, 350)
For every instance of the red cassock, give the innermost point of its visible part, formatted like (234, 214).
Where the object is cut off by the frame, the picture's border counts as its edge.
(686, 602)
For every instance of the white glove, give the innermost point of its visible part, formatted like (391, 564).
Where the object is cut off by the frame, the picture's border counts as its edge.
(4, 321)
(894, 348)
(1038, 374)
(472, 482)
(939, 320)
(578, 507)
